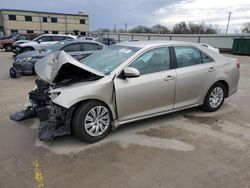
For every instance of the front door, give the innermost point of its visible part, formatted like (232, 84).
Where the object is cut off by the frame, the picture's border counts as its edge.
(150, 93)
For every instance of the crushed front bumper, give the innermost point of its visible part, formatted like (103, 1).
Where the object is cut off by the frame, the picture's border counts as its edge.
(54, 121)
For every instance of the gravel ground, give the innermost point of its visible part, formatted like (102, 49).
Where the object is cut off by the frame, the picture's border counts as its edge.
(190, 148)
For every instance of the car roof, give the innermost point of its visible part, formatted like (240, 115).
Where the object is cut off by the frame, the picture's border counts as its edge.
(84, 40)
(152, 43)
(73, 36)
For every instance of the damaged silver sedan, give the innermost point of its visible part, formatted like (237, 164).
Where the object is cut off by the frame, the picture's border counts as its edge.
(127, 82)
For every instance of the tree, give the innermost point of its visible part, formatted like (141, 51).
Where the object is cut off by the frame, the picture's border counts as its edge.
(180, 28)
(210, 30)
(140, 29)
(159, 29)
(246, 28)
(196, 28)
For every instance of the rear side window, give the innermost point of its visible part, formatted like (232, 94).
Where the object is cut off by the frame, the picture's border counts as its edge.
(152, 61)
(187, 56)
(90, 46)
(206, 58)
(100, 47)
(45, 38)
(72, 48)
(58, 38)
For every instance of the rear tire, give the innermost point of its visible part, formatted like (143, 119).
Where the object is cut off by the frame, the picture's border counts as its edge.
(8, 48)
(215, 97)
(92, 121)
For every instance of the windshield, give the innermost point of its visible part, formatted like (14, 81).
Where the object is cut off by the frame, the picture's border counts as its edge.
(110, 58)
(55, 47)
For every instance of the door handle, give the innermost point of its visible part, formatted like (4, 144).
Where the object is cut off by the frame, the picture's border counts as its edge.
(169, 77)
(211, 69)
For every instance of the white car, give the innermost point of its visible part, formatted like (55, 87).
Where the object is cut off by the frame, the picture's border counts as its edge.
(210, 47)
(43, 41)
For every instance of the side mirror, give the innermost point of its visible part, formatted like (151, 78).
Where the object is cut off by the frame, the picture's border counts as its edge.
(39, 41)
(130, 72)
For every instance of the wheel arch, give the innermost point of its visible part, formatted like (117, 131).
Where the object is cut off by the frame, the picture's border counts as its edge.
(28, 47)
(226, 85)
(73, 108)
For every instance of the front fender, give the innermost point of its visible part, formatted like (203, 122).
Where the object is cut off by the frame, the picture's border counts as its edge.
(101, 90)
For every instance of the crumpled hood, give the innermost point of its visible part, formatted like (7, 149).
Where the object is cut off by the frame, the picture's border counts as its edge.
(48, 67)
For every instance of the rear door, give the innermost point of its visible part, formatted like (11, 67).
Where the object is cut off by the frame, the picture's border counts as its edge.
(150, 93)
(195, 72)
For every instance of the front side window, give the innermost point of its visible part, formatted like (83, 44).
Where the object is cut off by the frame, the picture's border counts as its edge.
(155, 60)
(72, 48)
(28, 18)
(108, 59)
(54, 32)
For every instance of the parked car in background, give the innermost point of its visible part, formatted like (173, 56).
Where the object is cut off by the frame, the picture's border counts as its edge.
(7, 43)
(88, 38)
(127, 82)
(42, 42)
(107, 41)
(8, 37)
(79, 49)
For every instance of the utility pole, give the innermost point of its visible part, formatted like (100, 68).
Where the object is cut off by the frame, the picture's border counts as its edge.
(126, 27)
(229, 17)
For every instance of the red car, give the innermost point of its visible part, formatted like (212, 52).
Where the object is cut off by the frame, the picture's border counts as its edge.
(7, 43)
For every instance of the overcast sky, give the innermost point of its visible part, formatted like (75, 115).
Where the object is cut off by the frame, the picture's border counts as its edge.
(107, 13)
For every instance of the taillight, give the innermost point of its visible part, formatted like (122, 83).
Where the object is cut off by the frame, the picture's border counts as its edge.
(238, 64)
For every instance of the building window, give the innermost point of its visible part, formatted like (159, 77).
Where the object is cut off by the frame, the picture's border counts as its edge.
(46, 32)
(30, 31)
(14, 31)
(45, 19)
(28, 18)
(12, 17)
(82, 21)
(54, 32)
(53, 20)
(83, 33)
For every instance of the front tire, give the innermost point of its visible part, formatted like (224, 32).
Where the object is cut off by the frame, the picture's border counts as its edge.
(215, 97)
(92, 121)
